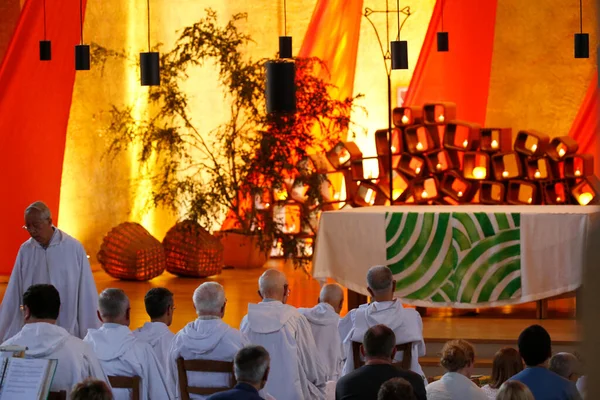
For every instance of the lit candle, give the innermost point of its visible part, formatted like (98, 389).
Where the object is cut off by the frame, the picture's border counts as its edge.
(460, 194)
(393, 149)
(504, 174)
(577, 172)
(494, 144)
(405, 119)
(479, 172)
(529, 200)
(419, 146)
(336, 196)
(558, 199)
(424, 194)
(561, 152)
(438, 166)
(418, 170)
(465, 144)
(267, 205)
(441, 118)
(397, 192)
(537, 174)
(370, 196)
(585, 198)
(533, 148)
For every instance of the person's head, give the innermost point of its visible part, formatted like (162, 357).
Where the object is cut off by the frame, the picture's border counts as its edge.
(507, 362)
(379, 343)
(273, 284)
(514, 390)
(159, 305)
(91, 389)
(38, 222)
(332, 294)
(381, 283)
(535, 345)
(566, 365)
(209, 300)
(41, 303)
(251, 366)
(458, 356)
(113, 307)
(396, 389)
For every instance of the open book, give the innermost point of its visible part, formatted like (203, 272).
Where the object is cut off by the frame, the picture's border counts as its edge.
(26, 378)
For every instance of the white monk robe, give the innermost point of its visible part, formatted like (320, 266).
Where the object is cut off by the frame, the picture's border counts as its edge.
(296, 372)
(159, 336)
(206, 338)
(405, 322)
(121, 354)
(76, 360)
(63, 264)
(324, 325)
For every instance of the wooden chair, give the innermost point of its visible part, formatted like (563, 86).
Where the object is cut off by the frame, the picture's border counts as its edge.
(185, 366)
(62, 395)
(127, 382)
(406, 348)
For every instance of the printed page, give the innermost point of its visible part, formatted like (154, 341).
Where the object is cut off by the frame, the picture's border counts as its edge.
(24, 379)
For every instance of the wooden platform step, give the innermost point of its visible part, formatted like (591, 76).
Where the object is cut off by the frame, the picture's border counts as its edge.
(435, 362)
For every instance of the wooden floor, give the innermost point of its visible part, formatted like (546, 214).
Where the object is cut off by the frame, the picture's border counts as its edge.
(498, 324)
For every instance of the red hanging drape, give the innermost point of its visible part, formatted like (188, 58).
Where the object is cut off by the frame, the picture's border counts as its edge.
(585, 125)
(35, 100)
(461, 75)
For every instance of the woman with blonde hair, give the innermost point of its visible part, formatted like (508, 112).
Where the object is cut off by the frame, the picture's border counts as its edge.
(514, 390)
(507, 362)
(458, 358)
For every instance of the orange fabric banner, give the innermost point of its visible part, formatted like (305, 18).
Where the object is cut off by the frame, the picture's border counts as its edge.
(585, 125)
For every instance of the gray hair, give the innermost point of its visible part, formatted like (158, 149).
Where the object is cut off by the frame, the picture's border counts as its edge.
(564, 364)
(271, 283)
(251, 363)
(209, 298)
(331, 293)
(379, 278)
(41, 208)
(112, 303)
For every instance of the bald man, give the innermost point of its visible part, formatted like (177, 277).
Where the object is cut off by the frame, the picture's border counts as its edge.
(51, 256)
(296, 372)
(324, 319)
(385, 310)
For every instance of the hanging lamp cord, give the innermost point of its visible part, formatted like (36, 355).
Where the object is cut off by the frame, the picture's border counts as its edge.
(284, 17)
(442, 15)
(44, 19)
(398, 15)
(581, 16)
(81, 19)
(148, 4)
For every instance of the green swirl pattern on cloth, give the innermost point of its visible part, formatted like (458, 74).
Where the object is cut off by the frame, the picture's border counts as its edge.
(455, 257)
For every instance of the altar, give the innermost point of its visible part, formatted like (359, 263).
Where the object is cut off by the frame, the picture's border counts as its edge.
(458, 256)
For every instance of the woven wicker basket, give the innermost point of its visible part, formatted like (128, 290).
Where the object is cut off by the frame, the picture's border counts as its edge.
(130, 252)
(191, 251)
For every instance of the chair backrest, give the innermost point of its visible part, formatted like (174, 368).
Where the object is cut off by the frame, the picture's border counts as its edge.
(406, 348)
(127, 382)
(62, 395)
(185, 366)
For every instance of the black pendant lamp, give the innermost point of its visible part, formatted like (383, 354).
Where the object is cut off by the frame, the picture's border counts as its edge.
(443, 41)
(82, 51)
(45, 45)
(399, 48)
(150, 62)
(281, 76)
(582, 40)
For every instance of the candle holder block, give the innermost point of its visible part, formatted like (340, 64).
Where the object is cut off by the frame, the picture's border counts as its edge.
(399, 181)
(263, 199)
(586, 191)
(562, 146)
(405, 116)
(522, 193)
(329, 191)
(476, 165)
(462, 136)
(411, 165)
(314, 163)
(556, 193)
(425, 189)
(421, 138)
(342, 154)
(541, 169)
(491, 192)
(369, 194)
(287, 217)
(456, 187)
(365, 169)
(495, 140)
(441, 161)
(531, 143)
(381, 145)
(507, 166)
(579, 166)
(435, 113)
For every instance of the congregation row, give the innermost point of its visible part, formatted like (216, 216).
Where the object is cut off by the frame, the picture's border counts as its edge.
(280, 352)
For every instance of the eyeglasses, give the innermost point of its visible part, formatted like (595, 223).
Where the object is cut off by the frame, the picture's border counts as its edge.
(286, 289)
(33, 228)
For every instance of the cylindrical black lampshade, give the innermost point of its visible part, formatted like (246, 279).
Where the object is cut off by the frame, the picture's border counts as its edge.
(399, 54)
(285, 47)
(45, 50)
(281, 86)
(82, 57)
(443, 42)
(582, 45)
(150, 68)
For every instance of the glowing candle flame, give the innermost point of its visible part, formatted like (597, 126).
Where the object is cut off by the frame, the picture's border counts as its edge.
(460, 194)
(585, 198)
(370, 196)
(558, 199)
(465, 144)
(267, 205)
(441, 118)
(424, 194)
(439, 166)
(494, 144)
(418, 170)
(396, 193)
(393, 149)
(405, 119)
(419, 146)
(529, 200)
(336, 196)
(537, 174)
(504, 174)
(533, 148)
(578, 173)
(561, 152)
(479, 172)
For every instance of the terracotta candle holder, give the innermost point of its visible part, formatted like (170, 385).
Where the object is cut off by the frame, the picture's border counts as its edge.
(369, 194)
(381, 142)
(492, 192)
(531, 143)
(441, 161)
(421, 138)
(562, 146)
(521, 193)
(405, 116)
(507, 166)
(541, 169)
(287, 217)
(456, 187)
(461, 135)
(556, 193)
(439, 113)
(329, 191)
(263, 200)
(476, 165)
(579, 165)
(342, 154)
(400, 184)
(411, 165)
(494, 140)
(365, 169)
(425, 189)
(585, 192)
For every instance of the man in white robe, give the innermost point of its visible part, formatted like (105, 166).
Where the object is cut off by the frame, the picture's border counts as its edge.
(44, 339)
(324, 319)
(159, 306)
(121, 354)
(384, 309)
(206, 338)
(53, 257)
(296, 370)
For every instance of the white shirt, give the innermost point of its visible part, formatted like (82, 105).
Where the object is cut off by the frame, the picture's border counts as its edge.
(76, 360)
(63, 264)
(159, 336)
(454, 386)
(324, 325)
(296, 372)
(489, 392)
(121, 354)
(405, 322)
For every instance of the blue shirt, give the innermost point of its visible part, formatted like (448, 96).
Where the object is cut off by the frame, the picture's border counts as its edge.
(241, 391)
(546, 385)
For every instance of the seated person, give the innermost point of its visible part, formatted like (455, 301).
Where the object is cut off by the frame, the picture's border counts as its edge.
(567, 366)
(458, 358)
(405, 322)
(396, 389)
(535, 346)
(159, 306)
(296, 370)
(324, 319)
(91, 389)
(251, 368)
(120, 353)
(514, 390)
(378, 348)
(44, 339)
(507, 362)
